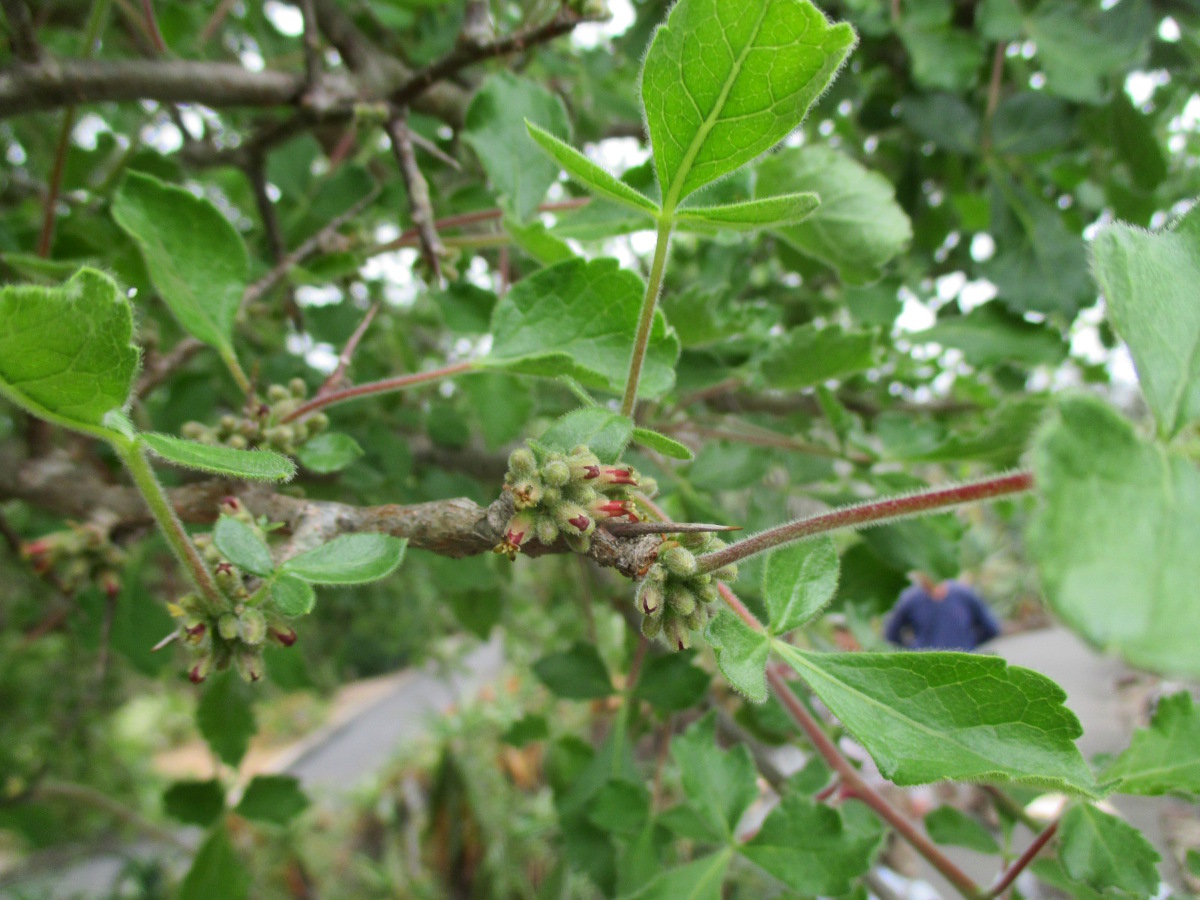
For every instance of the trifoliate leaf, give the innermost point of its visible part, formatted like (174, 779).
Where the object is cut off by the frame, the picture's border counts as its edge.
(1115, 537)
(724, 82)
(349, 559)
(65, 352)
(934, 716)
(259, 465)
(720, 784)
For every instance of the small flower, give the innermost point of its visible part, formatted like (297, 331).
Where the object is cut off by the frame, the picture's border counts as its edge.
(613, 475)
(200, 670)
(604, 508)
(526, 494)
(515, 534)
(285, 636)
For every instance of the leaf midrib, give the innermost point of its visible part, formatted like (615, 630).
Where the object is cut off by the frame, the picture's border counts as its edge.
(671, 199)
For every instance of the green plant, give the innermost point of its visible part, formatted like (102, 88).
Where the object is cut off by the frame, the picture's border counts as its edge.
(760, 335)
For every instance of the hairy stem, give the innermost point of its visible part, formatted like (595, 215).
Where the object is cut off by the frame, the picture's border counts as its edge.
(851, 780)
(168, 522)
(649, 303)
(384, 386)
(873, 512)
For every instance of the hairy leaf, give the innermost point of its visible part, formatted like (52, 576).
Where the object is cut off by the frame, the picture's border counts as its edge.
(741, 654)
(719, 784)
(241, 545)
(259, 465)
(809, 355)
(293, 596)
(329, 452)
(591, 176)
(1115, 537)
(752, 215)
(724, 82)
(348, 559)
(607, 433)
(932, 716)
(65, 352)
(660, 443)
(1164, 757)
(1106, 853)
(798, 582)
(195, 257)
(1149, 282)
(578, 318)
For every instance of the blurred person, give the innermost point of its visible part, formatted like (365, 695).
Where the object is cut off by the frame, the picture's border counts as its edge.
(945, 615)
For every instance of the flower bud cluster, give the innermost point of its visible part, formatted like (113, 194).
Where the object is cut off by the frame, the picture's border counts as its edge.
(565, 495)
(674, 596)
(234, 631)
(261, 423)
(78, 555)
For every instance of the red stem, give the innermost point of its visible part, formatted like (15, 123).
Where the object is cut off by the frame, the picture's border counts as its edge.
(483, 215)
(46, 238)
(852, 782)
(1023, 861)
(375, 387)
(874, 512)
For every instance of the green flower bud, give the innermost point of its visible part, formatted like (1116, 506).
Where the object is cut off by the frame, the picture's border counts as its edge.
(581, 492)
(678, 561)
(556, 473)
(277, 392)
(681, 599)
(650, 597)
(318, 422)
(237, 442)
(193, 430)
(697, 618)
(707, 594)
(252, 627)
(656, 573)
(580, 543)
(726, 573)
(677, 634)
(249, 663)
(298, 388)
(573, 519)
(227, 424)
(521, 464)
(227, 626)
(546, 530)
(652, 627)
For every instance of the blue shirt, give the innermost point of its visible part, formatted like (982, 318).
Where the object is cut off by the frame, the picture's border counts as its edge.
(960, 621)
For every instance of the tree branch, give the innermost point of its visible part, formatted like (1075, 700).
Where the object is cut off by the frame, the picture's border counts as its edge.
(419, 206)
(21, 34)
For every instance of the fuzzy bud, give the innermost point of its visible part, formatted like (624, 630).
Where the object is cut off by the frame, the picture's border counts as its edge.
(277, 392)
(229, 506)
(546, 530)
(200, 670)
(652, 627)
(526, 493)
(681, 599)
(252, 627)
(726, 573)
(317, 422)
(573, 519)
(677, 634)
(603, 508)
(617, 475)
(297, 388)
(227, 626)
(696, 619)
(515, 534)
(522, 464)
(249, 663)
(707, 594)
(584, 464)
(650, 597)
(285, 636)
(679, 561)
(193, 431)
(556, 473)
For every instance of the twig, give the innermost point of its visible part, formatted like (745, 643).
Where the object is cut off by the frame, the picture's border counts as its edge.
(993, 96)
(419, 206)
(434, 150)
(76, 794)
(305, 250)
(746, 433)
(484, 215)
(629, 529)
(50, 215)
(467, 53)
(152, 28)
(1022, 862)
(312, 43)
(22, 37)
(224, 8)
(384, 386)
(870, 513)
(338, 375)
(257, 174)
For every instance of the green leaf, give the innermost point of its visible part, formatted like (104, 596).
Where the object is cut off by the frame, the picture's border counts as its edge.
(670, 683)
(1164, 757)
(809, 355)
(259, 465)
(1115, 537)
(661, 443)
(752, 215)
(620, 807)
(217, 871)
(225, 718)
(593, 177)
(943, 58)
(723, 83)
(328, 452)
(798, 581)
(495, 130)
(935, 716)
(741, 654)
(348, 559)
(1079, 47)
(195, 802)
(195, 257)
(947, 825)
(700, 879)
(65, 352)
(535, 239)
(241, 545)
(575, 674)
(991, 335)
(607, 433)
(808, 847)
(858, 228)
(293, 597)
(719, 784)
(578, 318)
(1149, 281)
(272, 798)
(1106, 853)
